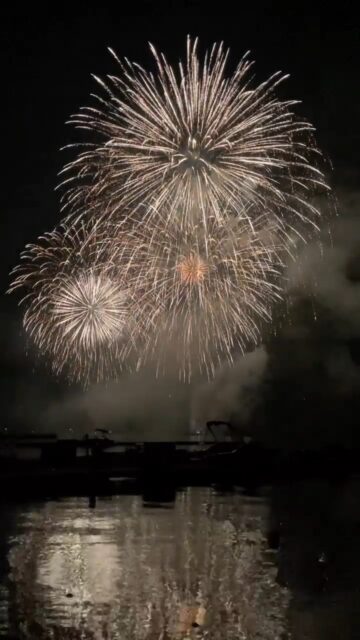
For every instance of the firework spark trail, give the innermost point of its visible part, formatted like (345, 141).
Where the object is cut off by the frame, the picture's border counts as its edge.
(190, 136)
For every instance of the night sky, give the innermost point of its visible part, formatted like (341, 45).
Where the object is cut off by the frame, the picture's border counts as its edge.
(47, 61)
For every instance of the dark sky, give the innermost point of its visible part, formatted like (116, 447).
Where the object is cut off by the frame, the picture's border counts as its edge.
(47, 58)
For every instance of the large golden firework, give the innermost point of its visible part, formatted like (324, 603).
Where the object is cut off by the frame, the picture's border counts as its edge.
(193, 136)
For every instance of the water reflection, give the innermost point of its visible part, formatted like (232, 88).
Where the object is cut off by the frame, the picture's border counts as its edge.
(199, 570)
(319, 557)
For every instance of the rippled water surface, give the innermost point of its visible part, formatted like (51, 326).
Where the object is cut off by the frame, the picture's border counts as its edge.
(211, 565)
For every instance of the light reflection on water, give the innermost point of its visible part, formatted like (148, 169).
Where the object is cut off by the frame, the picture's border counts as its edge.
(197, 570)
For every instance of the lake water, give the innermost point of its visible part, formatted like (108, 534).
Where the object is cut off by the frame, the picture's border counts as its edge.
(218, 565)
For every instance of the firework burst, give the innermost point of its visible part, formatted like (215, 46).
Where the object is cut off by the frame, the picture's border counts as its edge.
(193, 138)
(79, 310)
(210, 289)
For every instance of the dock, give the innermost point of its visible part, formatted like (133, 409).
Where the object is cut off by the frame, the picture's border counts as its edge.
(48, 466)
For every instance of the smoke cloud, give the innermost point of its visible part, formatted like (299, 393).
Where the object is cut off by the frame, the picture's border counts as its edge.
(139, 406)
(235, 393)
(302, 387)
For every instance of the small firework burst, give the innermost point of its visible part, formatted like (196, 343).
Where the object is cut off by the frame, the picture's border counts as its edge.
(79, 311)
(90, 308)
(192, 269)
